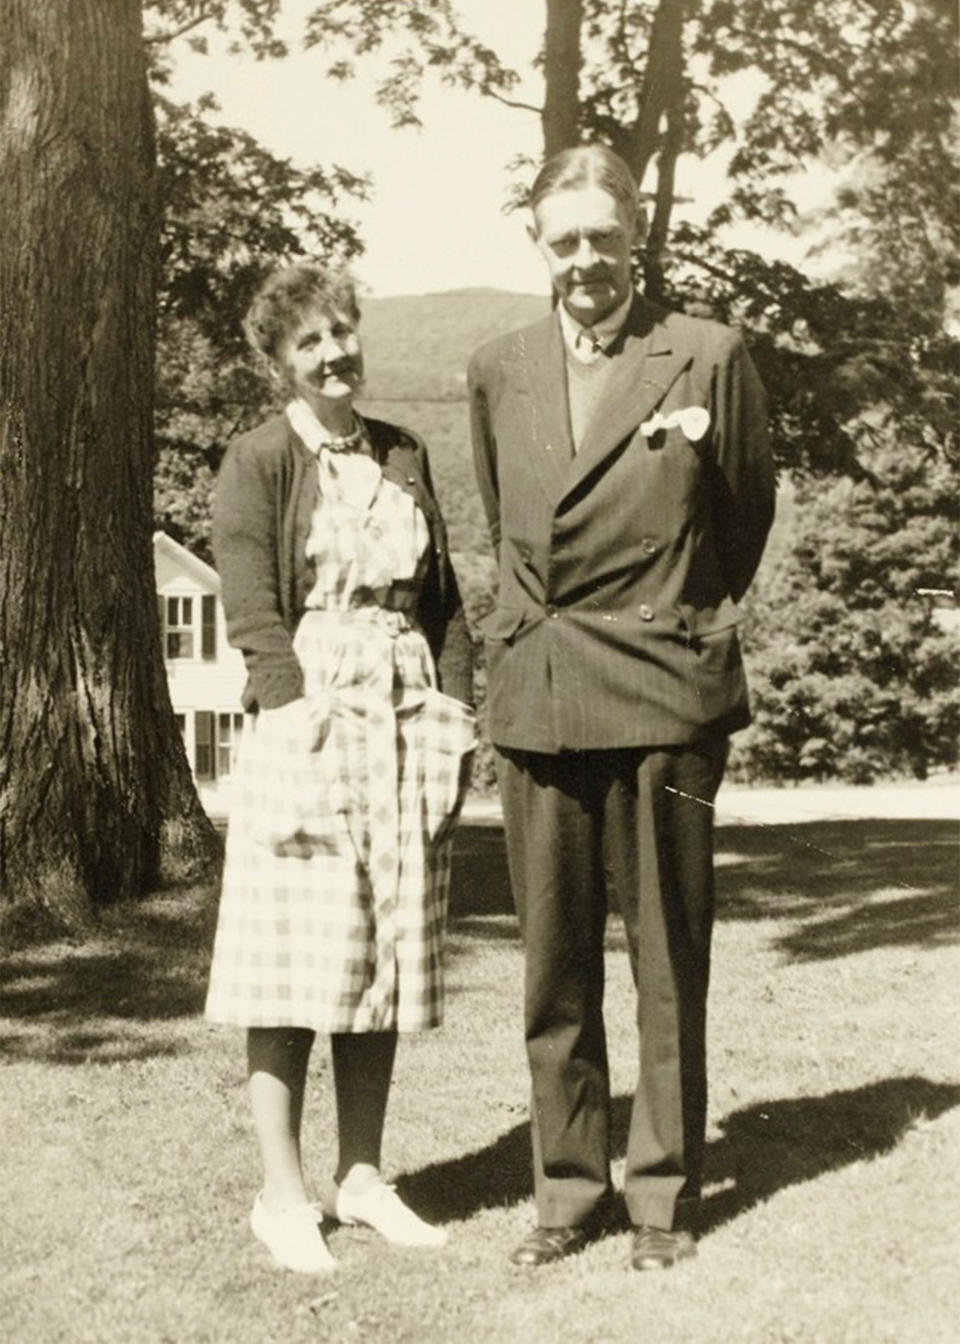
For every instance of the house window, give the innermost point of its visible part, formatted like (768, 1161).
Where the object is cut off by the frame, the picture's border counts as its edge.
(229, 728)
(189, 626)
(208, 626)
(179, 641)
(203, 748)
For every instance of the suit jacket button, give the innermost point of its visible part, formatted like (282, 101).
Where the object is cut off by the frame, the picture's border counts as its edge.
(648, 546)
(645, 613)
(551, 609)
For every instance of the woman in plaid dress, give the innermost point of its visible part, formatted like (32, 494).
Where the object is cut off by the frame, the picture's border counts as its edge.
(338, 587)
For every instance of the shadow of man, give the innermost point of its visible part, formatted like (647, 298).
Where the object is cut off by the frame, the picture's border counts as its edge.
(762, 1149)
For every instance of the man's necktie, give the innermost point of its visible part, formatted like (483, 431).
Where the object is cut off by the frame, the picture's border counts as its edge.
(588, 344)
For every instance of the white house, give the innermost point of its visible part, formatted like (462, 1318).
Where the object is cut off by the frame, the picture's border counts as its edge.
(205, 674)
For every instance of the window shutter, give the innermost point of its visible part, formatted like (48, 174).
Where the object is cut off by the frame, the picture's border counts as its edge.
(208, 629)
(203, 727)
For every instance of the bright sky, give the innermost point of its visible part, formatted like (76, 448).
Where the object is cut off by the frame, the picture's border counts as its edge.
(435, 220)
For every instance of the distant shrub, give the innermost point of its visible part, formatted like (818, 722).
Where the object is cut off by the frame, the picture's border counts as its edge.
(853, 675)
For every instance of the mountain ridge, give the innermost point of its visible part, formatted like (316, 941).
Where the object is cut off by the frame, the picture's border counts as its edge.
(417, 346)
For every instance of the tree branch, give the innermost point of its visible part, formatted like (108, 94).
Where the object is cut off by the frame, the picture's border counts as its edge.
(512, 102)
(663, 208)
(662, 87)
(179, 32)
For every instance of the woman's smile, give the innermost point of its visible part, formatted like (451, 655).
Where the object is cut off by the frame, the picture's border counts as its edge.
(322, 358)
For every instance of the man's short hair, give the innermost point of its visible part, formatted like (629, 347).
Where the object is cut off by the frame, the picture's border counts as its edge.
(593, 165)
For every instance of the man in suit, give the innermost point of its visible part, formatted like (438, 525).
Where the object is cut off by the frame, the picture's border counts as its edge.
(622, 457)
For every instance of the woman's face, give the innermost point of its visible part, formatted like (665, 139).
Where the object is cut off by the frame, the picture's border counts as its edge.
(321, 357)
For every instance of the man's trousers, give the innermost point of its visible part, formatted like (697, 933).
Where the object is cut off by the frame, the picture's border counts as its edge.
(642, 818)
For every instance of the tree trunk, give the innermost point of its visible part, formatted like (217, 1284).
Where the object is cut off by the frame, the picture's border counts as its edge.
(561, 67)
(663, 88)
(96, 799)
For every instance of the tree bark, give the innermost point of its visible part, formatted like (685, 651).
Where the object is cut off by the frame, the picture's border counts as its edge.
(656, 240)
(663, 88)
(562, 54)
(96, 799)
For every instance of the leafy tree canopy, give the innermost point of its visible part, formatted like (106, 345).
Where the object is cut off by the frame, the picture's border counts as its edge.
(866, 87)
(229, 209)
(870, 84)
(853, 674)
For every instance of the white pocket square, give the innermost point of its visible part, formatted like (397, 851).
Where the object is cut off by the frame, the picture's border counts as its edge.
(693, 420)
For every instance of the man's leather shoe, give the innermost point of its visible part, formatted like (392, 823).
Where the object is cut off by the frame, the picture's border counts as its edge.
(544, 1245)
(656, 1248)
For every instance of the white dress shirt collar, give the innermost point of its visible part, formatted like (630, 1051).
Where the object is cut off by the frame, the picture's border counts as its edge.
(351, 477)
(587, 344)
(305, 423)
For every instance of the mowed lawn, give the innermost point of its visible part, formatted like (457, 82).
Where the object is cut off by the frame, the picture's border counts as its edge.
(833, 1194)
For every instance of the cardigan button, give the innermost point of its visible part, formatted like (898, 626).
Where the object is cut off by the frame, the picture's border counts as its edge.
(644, 612)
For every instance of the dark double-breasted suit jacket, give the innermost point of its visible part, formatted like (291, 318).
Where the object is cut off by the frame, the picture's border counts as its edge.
(615, 627)
(621, 565)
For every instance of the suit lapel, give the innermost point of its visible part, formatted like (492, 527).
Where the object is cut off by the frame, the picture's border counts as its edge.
(543, 362)
(639, 380)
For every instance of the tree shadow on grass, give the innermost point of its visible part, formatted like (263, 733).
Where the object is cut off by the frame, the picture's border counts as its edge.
(844, 886)
(763, 1148)
(72, 1002)
(839, 886)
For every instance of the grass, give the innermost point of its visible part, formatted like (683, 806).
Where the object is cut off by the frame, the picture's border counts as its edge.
(833, 1185)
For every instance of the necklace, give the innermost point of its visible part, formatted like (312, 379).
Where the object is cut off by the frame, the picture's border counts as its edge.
(346, 443)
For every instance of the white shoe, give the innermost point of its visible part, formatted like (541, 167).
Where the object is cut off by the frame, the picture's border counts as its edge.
(380, 1207)
(292, 1236)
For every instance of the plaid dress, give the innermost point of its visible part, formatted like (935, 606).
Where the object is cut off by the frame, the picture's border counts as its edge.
(337, 866)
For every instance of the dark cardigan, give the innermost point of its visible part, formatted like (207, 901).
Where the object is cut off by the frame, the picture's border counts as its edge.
(263, 505)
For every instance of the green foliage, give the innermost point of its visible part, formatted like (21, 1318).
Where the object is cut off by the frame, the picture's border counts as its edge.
(437, 40)
(853, 657)
(844, 681)
(230, 207)
(871, 85)
(252, 21)
(230, 210)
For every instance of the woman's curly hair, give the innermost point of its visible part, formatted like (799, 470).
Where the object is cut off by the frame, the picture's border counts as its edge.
(287, 293)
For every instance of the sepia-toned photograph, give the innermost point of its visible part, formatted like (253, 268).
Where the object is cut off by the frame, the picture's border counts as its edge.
(480, 671)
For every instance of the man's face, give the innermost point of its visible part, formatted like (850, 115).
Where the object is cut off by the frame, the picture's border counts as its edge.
(585, 237)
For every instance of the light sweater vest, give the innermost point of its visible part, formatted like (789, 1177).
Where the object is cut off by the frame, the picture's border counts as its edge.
(585, 388)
